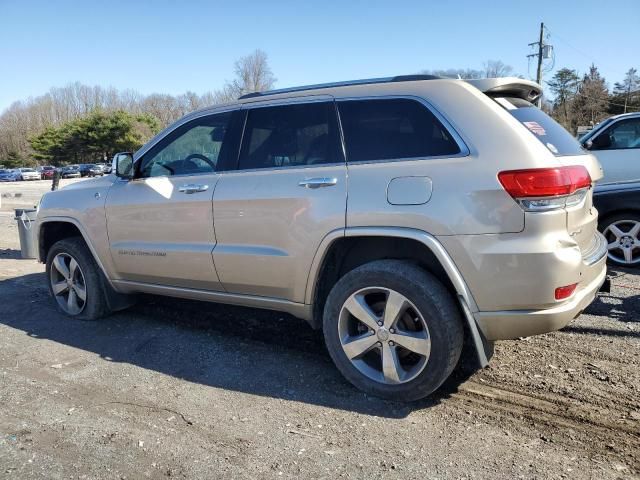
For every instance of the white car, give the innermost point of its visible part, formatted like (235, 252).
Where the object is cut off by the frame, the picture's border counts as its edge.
(28, 174)
(616, 144)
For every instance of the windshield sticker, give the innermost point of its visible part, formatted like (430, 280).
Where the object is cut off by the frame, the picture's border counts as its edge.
(535, 127)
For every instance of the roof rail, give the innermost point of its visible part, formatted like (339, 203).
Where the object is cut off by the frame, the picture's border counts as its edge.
(366, 81)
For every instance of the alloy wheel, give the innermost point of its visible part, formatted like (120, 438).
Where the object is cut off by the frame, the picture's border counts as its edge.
(623, 237)
(384, 335)
(68, 284)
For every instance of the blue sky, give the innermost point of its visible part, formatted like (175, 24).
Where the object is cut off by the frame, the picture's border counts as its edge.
(171, 46)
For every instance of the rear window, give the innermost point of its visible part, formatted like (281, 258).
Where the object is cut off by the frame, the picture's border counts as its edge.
(550, 133)
(392, 129)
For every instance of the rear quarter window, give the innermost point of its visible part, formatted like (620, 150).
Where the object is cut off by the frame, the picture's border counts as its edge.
(544, 128)
(388, 129)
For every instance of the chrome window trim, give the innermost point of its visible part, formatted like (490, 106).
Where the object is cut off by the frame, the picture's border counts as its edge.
(464, 149)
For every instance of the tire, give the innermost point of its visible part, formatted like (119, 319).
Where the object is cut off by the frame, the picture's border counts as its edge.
(94, 306)
(623, 235)
(431, 316)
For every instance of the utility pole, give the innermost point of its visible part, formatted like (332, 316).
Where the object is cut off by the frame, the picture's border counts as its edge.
(539, 55)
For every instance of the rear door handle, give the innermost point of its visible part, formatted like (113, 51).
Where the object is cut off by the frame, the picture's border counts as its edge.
(318, 182)
(193, 188)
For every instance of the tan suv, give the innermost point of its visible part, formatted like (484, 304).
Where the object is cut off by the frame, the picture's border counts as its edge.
(402, 215)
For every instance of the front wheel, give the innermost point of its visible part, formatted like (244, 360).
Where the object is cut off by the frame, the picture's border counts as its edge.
(75, 280)
(393, 330)
(623, 236)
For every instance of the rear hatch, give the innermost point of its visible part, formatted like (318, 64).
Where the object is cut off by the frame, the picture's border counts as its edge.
(516, 96)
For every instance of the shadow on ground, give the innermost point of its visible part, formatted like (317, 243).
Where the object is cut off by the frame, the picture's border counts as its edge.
(234, 348)
(10, 253)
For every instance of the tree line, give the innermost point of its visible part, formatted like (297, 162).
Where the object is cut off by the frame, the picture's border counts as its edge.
(83, 124)
(587, 100)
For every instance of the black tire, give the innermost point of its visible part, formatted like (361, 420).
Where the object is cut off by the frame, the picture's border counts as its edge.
(430, 298)
(625, 220)
(95, 305)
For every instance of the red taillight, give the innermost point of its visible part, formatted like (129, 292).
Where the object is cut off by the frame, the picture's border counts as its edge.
(565, 292)
(545, 182)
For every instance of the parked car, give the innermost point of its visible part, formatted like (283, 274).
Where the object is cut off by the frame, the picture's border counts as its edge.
(464, 215)
(106, 168)
(619, 218)
(46, 172)
(70, 171)
(616, 144)
(29, 174)
(90, 170)
(9, 175)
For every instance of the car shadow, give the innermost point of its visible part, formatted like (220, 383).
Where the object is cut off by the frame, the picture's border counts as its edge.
(235, 348)
(10, 253)
(623, 302)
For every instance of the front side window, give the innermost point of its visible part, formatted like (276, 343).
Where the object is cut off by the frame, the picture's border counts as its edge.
(191, 149)
(290, 136)
(623, 135)
(387, 129)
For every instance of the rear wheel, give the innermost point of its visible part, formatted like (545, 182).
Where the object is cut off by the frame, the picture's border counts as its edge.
(393, 330)
(623, 235)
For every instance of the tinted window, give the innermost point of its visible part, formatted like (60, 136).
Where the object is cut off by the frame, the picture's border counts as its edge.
(550, 133)
(388, 129)
(624, 134)
(191, 149)
(290, 135)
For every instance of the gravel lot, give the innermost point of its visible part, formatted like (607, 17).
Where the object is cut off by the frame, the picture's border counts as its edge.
(173, 388)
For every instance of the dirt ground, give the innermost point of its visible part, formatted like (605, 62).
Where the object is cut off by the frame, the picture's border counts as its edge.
(173, 388)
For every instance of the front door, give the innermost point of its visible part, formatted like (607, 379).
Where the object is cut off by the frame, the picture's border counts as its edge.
(288, 191)
(160, 224)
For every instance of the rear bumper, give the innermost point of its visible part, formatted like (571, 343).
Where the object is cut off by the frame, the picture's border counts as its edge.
(510, 324)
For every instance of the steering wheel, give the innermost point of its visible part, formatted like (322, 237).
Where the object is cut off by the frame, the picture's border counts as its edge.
(200, 157)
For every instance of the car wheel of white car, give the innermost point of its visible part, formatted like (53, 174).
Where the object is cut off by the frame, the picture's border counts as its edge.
(75, 280)
(623, 235)
(393, 330)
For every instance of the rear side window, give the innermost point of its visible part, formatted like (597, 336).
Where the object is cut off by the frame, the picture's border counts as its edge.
(392, 129)
(550, 133)
(290, 136)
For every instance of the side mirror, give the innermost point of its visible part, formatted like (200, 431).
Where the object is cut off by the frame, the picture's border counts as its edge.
(123, 165)
(601, 142)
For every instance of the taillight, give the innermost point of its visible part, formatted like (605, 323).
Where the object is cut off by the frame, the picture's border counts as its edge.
(540, 189)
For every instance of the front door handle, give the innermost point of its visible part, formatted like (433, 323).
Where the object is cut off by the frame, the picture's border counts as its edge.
(318, 182)
(193, 188)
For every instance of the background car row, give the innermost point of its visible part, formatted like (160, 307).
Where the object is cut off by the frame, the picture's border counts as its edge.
(47, 172)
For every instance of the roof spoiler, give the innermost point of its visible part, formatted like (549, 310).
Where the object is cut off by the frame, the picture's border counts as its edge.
(508, 86)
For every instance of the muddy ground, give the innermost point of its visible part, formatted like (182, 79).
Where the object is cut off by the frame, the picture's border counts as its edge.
(173, 388)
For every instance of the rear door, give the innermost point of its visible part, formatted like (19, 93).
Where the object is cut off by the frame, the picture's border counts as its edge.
(160, 224)
(289, 190)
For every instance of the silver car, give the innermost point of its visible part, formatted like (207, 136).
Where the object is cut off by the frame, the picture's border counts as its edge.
(401, 216)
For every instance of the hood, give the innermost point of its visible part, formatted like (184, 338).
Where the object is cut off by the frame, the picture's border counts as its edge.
(104, 181)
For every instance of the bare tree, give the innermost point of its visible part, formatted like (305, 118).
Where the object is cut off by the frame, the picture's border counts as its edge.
(253, 74)
(497, 68)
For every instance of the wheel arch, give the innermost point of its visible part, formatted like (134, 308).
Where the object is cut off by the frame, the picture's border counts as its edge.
(52, 229)
(343, 250)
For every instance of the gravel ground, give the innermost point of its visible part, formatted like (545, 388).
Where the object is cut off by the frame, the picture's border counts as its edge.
(173, 388)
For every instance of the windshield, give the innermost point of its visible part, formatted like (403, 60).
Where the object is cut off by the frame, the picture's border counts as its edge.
(597, 128)
(544, 128)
